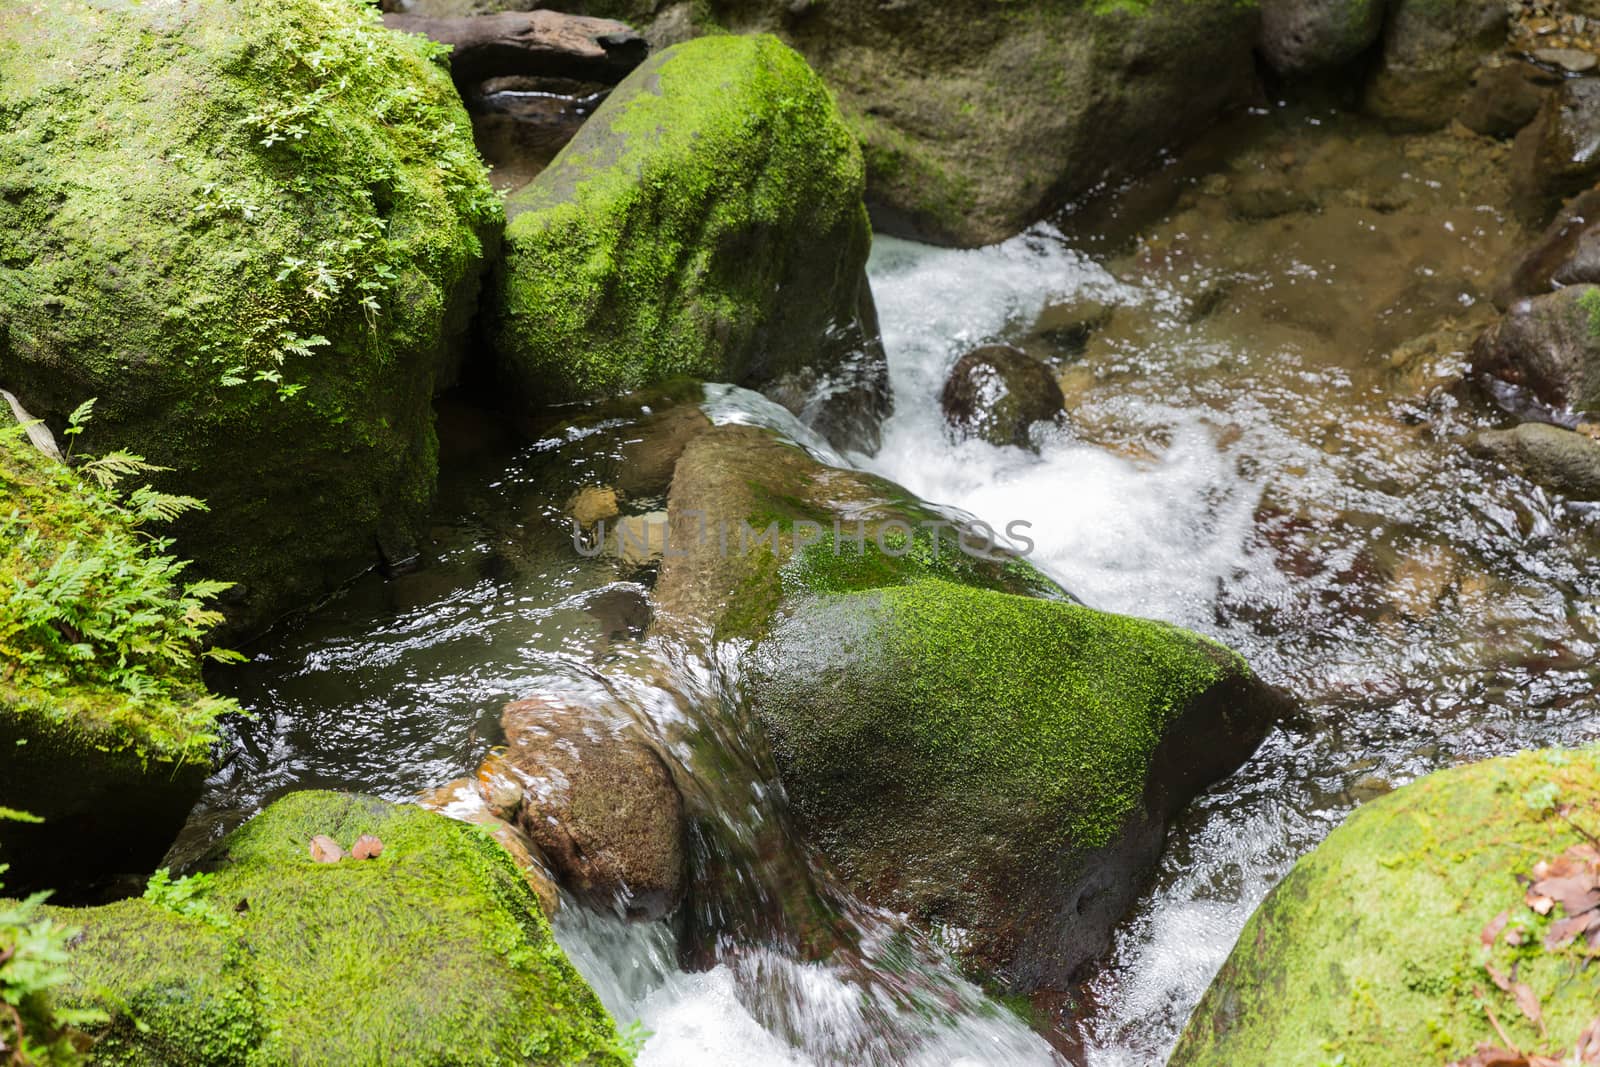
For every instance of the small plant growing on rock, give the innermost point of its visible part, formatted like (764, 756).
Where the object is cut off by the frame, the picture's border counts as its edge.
(33, 956)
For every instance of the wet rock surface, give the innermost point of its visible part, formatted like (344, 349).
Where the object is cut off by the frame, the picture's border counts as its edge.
(1548, 347)
(598, 802)
(1565, 460)
(1558, 153)
(998, 393)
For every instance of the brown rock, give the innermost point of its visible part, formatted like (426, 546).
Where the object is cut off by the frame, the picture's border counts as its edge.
(1558, 153)
(1567, 253)
(1549, 347)
(997, 393)
(1504, 98)
(461, 799)
(600, 803)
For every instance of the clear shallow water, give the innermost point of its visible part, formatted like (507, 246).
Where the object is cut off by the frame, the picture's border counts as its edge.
(1244, 455)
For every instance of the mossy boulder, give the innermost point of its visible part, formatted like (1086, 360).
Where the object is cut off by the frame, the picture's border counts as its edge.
(978, 118)
(105, 723)
(433, 952)
(963, 741)
(254, 231)
(1431, 50)
(1373, 949)
(707, 221)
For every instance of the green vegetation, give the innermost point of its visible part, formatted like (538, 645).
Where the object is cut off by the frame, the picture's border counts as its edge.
(99, 633)
(33, 956)
(254, 229)
(1387, 944)
(706, 221)
(436, 948)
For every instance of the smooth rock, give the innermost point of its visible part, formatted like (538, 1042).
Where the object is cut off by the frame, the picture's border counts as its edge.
(1548, 346)
(1306, 36)
(1558, 153)
(998, 393)
(1504, 98)
(600, 804)
(1430, 51)
(1564, 460)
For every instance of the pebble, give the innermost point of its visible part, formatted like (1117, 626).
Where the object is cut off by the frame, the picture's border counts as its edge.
(1568, 59)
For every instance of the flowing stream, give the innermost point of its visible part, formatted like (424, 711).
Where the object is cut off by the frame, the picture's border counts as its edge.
(1266, 408)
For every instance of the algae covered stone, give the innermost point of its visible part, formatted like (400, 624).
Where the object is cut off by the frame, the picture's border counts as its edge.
(253, 230)
(434, 951)
(105, 723)
(977, 117)
(1373, 950)
(707, 221)
(963, 741)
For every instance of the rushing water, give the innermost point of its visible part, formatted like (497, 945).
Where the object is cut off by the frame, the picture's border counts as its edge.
(1246, 455)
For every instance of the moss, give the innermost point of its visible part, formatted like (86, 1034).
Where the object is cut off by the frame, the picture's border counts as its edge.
(252, 229)
(149, 700)
(1370, 949)
(942, 711)
(434, 952)
(706, 221)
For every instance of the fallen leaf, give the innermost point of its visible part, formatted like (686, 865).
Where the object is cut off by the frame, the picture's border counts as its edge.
(1500, 980)
(325, 849)
(1492, 931)
(1575, 893)
(1528, 1001)
(1489, 1056)
(367, 847)
(1539, 903)
(1564, 932)
(1588, 1048)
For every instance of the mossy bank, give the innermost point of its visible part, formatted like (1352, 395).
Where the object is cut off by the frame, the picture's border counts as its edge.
(253, 230)
(962, 740)
(707, 221)
(105, 723)
(1373, 949)
(433, 952)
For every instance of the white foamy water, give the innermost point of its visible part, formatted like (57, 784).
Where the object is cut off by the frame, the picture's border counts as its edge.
(1149, 537)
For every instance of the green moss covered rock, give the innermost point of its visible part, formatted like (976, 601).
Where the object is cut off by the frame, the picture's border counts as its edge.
(434, 952)
(1371, 951)
(105, 724)
(253, 229)
(707, 222)
(966, 743)
(978, 117)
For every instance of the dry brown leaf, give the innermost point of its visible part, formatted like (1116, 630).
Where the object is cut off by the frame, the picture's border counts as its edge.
(1588, 1047)
(1575, 893)
(325, 849)
(1564, 932)
(1539, 903)
(1492, 931)
(1515, 937)
(1500, 980)
(1489, 1056)
(367, 847)
(1528, 1002)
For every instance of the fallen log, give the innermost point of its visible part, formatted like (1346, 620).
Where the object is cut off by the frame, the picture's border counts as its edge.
(537, 43)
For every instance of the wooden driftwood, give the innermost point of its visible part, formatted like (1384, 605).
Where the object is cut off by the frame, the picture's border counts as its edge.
(538, 43)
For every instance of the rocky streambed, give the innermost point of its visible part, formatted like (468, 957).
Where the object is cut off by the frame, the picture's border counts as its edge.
(768, 650)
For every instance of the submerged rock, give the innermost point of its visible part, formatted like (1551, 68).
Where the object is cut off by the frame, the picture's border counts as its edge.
(1306, 36)
(1565, 460)
(1548, 346)
(1431, 49)
(997, 393)
(600, 804)
(1505, 97)
(978, 121)
(1374, 947)
(707, 221)
(105, 723)
(433, 951)
(255, 233)
(964, 742)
